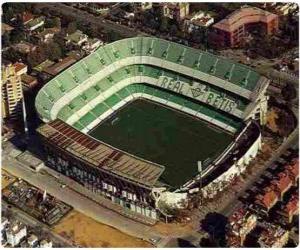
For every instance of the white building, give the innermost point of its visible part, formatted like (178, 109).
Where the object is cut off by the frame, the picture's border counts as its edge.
(45, 243)
(77, 38)
(198, 21)
(92, 44)
(15, 233)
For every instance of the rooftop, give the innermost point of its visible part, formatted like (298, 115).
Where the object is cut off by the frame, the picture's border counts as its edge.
(6, 28)
(101, 155)
(35, 21)
(245, 14)
(267, 199)
(76, 37)
(19, 66)
(60, 66)
(43, 65)
(271, 235)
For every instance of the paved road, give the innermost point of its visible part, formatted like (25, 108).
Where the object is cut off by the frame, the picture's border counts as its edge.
(86, 17)
(77, 201)
(33, 223)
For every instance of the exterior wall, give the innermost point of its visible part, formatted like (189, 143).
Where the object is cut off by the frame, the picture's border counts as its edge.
(118, 190)
(236, 169)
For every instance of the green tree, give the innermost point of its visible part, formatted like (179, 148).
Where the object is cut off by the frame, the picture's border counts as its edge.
(5, 40)
(164, 24)
(72, 27)
(54, 51)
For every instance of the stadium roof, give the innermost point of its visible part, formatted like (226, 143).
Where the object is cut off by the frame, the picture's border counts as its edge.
(101, 155)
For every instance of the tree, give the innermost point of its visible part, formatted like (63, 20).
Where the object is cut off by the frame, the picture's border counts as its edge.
(289, 92)
(285, 123)
(17, 36)
(36, 57)
(72, 27)
(57, 22)
(164, 24)
(54, 51)
(5, 40)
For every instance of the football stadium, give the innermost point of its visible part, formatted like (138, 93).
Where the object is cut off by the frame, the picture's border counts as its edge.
(143, 122)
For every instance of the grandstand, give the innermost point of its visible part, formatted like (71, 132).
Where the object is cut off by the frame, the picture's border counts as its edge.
(219, 92)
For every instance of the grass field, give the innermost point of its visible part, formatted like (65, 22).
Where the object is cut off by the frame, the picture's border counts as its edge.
(164, 136)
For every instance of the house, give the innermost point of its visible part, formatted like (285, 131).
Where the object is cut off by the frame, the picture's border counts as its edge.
(286, 8)
(289, 210)
(281, 184)
(46, 243)
(35, 23)
(46, 35)
(77, 38)
(32, 241)
(176, 11)
(240, 223)
(5, 28)
(293, 170)
(39, 68)
(266, 200)
(273, 236)
(26, 17)
(15, 232)
(92, 44)
(198, 21)
(24, 47)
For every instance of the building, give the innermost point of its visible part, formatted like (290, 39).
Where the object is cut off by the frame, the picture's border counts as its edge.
(35, 23)
(176, 11)
(32, 241)
(26, 17)
(105, 80)
(28, 81)
(64, 63)
(24, 47)
(76, 39)
(5, 28)
(286, 8)
(20, 68)
(293, 170)
(240, 224)
(39, 68)
(15, 233)
(91, 45)
(4, 224)
(281, 184)
(266, 200)
(289, 210)
(198, 21)
(46, 243)
(46, 35)
(12, 95)
(233, 30)
(273, 236)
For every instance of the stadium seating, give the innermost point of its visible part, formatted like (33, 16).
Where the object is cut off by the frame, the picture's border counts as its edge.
(103, 70)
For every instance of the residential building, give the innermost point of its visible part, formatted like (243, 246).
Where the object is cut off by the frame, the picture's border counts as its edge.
(273, 236)
(198, 21)
(240, 224)
(26, 17)
(266, 200)
(12, 95)
(28, 81)
(20, 68)
(35, 23)
(32, 241)
(91, 45)
(39, 68)
(289, 210)
(46, 35)
(24, 47)
(286, 8)
(4, 224)
(281, 184)
(77, 38)
(293, 170)
(176, 11)
(5, 28)
(234, 29)
(46, 243)
(15, 232)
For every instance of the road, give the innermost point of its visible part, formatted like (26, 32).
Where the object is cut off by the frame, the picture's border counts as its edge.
(86, 17)
(33, 223)
(78, 201)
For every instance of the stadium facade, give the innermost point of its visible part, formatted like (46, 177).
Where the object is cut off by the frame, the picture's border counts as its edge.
(226, 95)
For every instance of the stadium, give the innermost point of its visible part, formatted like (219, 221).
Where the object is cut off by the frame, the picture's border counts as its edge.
(144, 121)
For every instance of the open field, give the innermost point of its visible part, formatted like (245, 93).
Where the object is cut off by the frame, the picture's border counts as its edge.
(164, 136)
(86, 232)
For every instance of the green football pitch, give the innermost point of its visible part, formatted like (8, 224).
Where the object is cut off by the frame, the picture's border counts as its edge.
(164, 136)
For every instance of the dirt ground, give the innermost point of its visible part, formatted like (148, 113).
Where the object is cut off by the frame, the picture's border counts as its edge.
(86, 232)
(173, 228)
(271, 120)
(6, 179)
